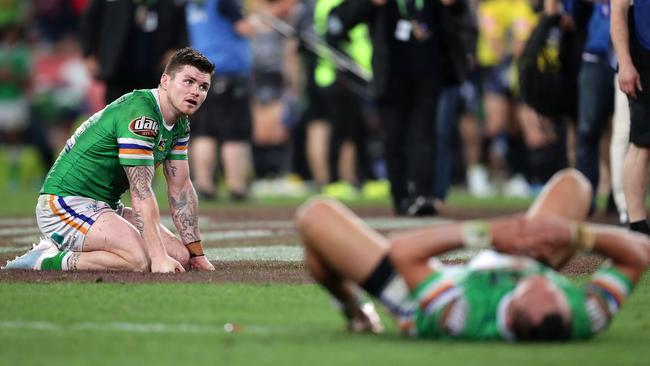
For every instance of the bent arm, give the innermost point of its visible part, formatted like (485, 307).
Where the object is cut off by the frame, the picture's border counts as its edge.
(147, 217)
(145, 208)
(411, 251)
(183, 200)
(629, 251)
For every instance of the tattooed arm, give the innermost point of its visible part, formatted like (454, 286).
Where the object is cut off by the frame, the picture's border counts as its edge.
(147, 218)
(183, 203)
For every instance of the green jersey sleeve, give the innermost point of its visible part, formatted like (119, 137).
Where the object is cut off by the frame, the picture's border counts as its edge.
(135, 141)
(594, 305)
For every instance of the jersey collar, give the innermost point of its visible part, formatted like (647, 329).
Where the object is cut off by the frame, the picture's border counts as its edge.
(502, 314)
(157, 97)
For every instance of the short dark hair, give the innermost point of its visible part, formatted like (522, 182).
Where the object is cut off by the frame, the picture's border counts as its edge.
(551, 328)
(191, 57)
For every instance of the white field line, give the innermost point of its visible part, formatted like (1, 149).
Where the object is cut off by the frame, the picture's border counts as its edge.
(130, 327)
(290, 253)
(283, 253)
(14, 231)
(22, 221)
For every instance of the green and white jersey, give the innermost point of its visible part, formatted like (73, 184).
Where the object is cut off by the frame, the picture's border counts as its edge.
(128, 132)
(470, 302)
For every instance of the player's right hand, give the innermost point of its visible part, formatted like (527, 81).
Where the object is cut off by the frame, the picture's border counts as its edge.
(629, 80)
(544, 238)
(166, 264)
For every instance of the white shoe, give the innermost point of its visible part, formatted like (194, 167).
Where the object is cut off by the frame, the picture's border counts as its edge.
(517, 186)
(34, 257)
(364, 319)
(478, 183)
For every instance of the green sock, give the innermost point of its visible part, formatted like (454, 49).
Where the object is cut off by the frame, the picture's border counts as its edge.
(54, 263)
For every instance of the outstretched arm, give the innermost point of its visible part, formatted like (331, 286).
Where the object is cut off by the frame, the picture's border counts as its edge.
(628, 251)
(147, 217)
(547, 239)
(183, 203)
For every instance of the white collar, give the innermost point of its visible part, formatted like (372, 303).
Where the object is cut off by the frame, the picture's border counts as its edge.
(502, 316)
(154, 91)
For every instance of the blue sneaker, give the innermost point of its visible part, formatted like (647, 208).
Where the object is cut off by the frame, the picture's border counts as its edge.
(34, 257)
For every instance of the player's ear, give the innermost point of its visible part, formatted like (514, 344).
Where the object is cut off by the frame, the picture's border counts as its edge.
(164, 81)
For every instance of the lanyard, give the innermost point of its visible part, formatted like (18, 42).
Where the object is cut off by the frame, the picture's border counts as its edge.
(401, 5)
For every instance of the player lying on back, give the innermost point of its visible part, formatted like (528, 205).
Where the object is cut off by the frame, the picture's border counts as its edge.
(509, 291)
(85, 226)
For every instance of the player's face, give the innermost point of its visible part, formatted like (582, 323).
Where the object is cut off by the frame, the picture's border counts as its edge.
(187, 89)
(535, 297)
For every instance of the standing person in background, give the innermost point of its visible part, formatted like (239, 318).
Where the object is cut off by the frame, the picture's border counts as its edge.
(407, 79)
(630, 31)
(458, 42)
(220, 30)
(127, 43)
(596, 95)
(504, 28)
(274, 85)
(346, 99)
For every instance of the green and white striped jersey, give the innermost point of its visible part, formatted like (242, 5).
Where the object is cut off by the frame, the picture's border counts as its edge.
(474, 300)
(128, 132)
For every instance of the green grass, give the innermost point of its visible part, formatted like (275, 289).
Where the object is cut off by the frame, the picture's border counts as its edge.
(280, 325)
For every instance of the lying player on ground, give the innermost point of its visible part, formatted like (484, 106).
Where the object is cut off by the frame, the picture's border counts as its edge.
(506, 293)
(118, 148)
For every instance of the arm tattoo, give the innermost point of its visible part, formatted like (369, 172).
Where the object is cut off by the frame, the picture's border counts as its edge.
(184, 209)
(138, 222)
(170, 170)
(140, 179)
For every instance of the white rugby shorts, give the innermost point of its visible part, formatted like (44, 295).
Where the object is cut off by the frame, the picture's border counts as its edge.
(66, 220)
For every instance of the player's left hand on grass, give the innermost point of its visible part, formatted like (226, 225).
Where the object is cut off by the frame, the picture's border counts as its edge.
(201, 263)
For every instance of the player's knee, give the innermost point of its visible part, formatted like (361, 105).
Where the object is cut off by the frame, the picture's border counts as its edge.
(309, 213)
(398, 253)
(573, 178)
(138, 261)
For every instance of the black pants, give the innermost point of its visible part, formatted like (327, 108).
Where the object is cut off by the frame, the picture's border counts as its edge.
(408, 115)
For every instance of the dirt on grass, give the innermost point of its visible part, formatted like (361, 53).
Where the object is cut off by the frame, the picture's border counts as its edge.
(261, 272)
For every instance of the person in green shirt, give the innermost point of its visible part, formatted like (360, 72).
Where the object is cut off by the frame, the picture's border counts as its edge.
(85, 227)
(510, 290)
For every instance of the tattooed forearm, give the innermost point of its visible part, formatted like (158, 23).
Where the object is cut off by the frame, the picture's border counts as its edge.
(170, 169)
(184, 213)
(140, 178)
(138, 222)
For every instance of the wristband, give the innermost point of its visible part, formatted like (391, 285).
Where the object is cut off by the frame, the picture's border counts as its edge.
(195, 248)
(476, 234)
(583, 237)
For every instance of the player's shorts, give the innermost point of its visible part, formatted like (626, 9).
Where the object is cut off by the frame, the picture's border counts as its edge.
(640, 113)
(226, 113)
(496, 79)
(268, 87)
(66, 220)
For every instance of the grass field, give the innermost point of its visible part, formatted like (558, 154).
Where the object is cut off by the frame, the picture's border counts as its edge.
(164, 324)
(57, 321)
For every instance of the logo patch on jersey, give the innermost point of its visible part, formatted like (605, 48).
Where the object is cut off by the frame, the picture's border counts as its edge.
(144, 126)
(161, 144)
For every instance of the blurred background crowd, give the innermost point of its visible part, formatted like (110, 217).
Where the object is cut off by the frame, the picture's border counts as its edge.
(398, 99)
